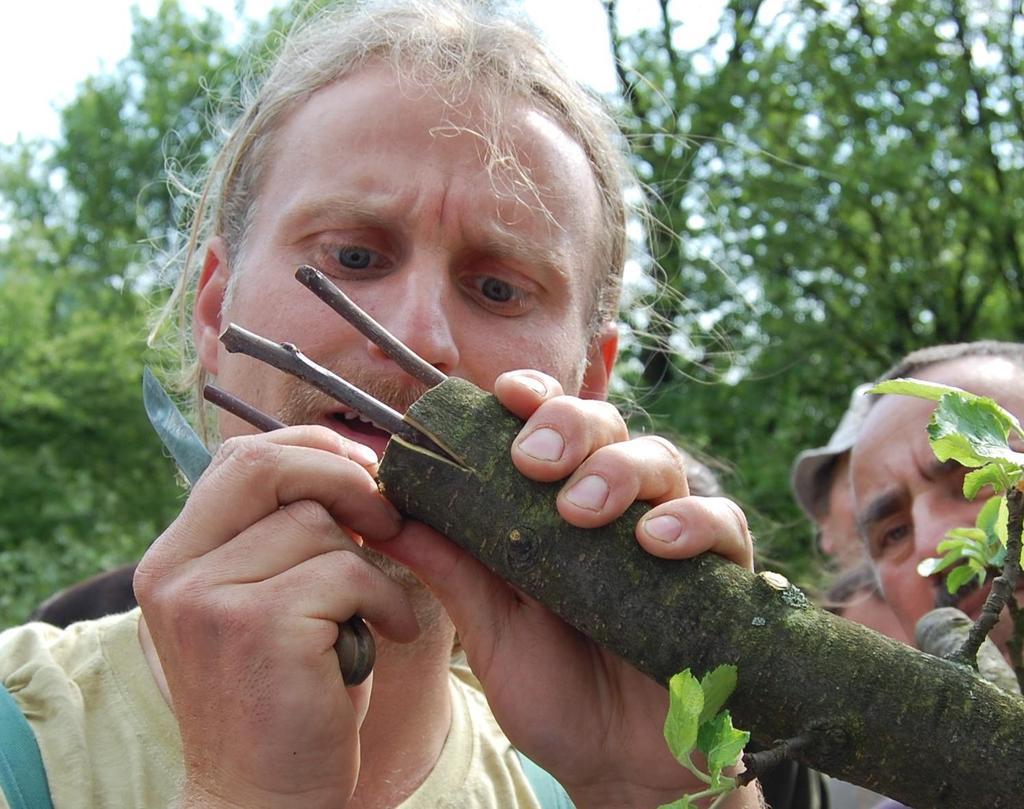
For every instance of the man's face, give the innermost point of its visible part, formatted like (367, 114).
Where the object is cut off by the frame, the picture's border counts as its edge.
(391, 197)
(906, 500)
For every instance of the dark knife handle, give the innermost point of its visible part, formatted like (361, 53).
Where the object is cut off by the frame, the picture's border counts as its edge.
(356, 650)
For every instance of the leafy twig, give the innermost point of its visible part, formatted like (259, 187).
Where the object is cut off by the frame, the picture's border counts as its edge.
(696, 721)
(1003, 586)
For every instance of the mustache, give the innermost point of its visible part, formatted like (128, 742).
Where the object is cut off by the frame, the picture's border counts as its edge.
(944, 598)
(304, 404)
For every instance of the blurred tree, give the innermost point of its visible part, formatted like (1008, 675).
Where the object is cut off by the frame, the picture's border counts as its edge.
(85, 483)
(839, 183)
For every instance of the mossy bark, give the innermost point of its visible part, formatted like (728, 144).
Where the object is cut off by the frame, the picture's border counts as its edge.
(880, 714)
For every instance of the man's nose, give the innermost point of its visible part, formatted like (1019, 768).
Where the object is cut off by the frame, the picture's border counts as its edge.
(936, 518)
(419, 312)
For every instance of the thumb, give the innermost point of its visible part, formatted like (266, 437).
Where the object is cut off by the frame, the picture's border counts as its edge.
(479, 602)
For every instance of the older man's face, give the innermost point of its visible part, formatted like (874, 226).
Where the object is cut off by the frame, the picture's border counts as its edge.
(906, 500)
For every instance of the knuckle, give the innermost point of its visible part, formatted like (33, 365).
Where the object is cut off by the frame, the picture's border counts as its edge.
(156, 568)
(609, 415)
(347, 566)
(740, 518)
(557, 408)
(193, 606)
(146, 581)
(245, 453)
(612, 462)
(669, 450)
(310, 516)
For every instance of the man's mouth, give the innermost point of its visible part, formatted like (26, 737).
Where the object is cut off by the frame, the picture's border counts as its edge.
(971, 598)
(358, 428)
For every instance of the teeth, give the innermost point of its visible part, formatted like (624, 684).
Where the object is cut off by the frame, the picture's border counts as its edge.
(355, 416)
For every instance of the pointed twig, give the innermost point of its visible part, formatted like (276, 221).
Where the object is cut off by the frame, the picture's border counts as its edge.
(286, 357)
(263, 422)
(401, 354)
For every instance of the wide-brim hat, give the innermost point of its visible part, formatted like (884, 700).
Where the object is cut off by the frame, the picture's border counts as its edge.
(806, 476)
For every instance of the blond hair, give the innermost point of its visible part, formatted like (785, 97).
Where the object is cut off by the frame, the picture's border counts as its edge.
(448, 47)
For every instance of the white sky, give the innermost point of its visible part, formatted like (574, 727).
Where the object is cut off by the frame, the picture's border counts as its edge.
(48, 46)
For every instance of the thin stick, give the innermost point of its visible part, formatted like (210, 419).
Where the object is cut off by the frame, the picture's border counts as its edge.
(263, 422)
(410, 362)
(286, 357)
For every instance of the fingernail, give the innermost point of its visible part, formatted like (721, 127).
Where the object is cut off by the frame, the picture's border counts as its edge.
(590, 493)
(361, 454)
(666, 528)
(543, 444)
(393, 512)
(533, 384)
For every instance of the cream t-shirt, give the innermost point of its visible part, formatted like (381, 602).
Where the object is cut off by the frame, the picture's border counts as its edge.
(108, 739)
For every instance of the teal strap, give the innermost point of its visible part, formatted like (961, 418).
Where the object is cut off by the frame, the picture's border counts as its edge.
(549, 793)
(22, 775)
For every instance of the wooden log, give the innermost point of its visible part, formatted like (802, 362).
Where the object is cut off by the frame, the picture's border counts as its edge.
(879, 714)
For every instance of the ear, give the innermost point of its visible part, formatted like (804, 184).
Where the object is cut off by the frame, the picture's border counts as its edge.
(206, 312)
(604, 348)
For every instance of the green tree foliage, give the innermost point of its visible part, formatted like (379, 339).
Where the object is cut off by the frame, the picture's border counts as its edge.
(85, 483)
(840, 183)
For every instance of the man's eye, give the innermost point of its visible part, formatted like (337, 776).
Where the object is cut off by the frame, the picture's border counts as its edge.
(893, 536)
(355, 258)
(497, 290)
(500, 296)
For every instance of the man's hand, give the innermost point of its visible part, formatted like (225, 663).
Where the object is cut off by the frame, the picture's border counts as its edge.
(242, 597)
(576, 709)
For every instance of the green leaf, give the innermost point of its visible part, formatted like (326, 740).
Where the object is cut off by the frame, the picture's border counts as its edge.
(685, 702)
(988, 475)
(992, 519)
(933, 391)
(717, 686)
(959, 577)
(959, 535)
(929, 567)
(721, 743)
(972, 430)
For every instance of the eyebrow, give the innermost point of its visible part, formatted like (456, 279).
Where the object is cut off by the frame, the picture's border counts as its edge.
(339, 206)
(519, 249)
(885, 505)
(938, 469)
